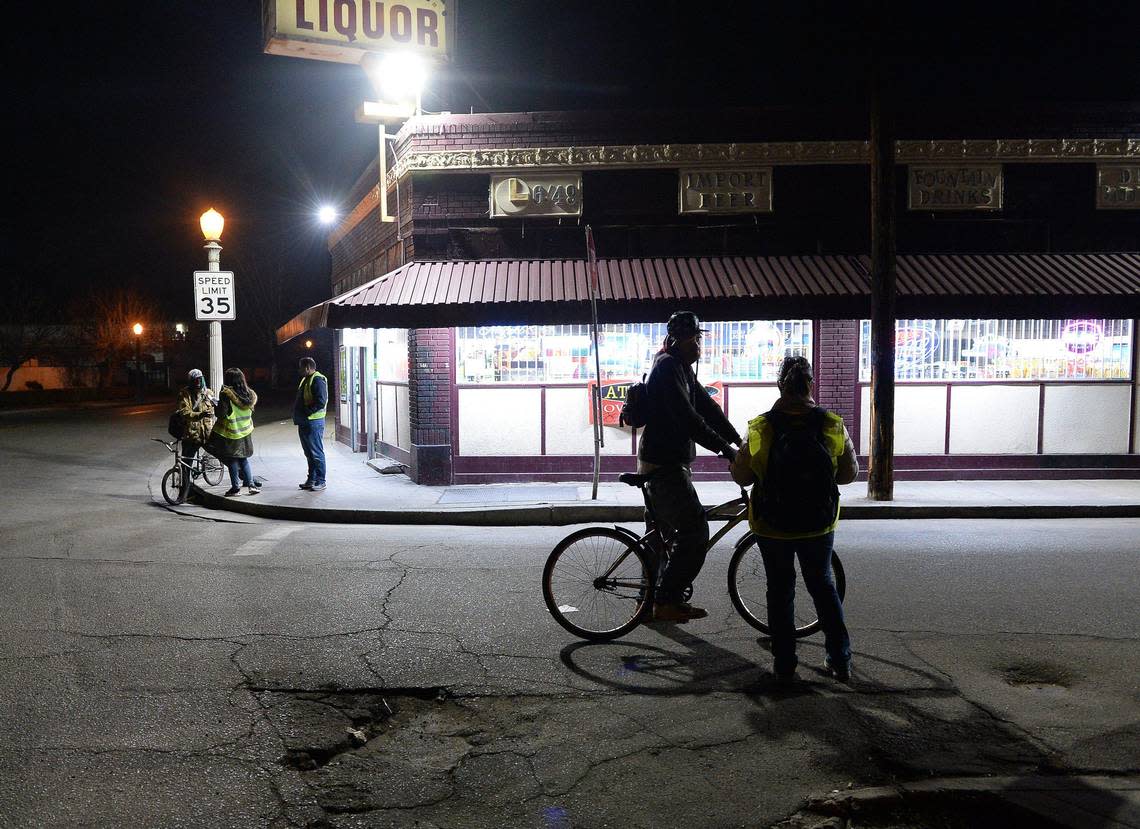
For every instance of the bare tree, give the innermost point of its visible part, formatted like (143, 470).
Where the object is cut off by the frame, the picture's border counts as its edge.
(106, 320)
(25, 333)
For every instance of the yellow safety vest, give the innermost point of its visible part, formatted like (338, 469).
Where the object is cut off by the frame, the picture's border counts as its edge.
(237, 424)
(306, 387)
(760, 441)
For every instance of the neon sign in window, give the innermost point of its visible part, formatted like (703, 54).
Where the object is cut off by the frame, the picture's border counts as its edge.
(981, 350)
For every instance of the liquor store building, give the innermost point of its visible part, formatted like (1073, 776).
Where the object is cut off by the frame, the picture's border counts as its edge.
(464, 345)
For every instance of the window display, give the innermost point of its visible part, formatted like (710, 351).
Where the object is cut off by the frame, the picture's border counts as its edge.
(740, 351)
(981, 350)
(390, 354)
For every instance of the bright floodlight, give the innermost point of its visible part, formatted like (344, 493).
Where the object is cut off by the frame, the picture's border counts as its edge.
(212, 223)
(137, 329)
(401, 76)
(326, 215)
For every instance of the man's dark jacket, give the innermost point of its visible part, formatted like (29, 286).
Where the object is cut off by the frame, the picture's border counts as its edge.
(301, 412)
(681, 412)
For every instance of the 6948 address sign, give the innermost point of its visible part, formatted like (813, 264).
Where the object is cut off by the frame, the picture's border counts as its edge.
(213, 295)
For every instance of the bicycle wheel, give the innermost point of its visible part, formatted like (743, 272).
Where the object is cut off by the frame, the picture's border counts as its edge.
(748, 584)
(212, 470)
(175, 486)
(596, 584)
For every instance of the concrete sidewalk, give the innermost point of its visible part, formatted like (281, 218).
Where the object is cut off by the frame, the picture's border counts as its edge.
(359, 494)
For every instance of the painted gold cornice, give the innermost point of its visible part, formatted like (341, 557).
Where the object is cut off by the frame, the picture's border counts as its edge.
(785, 152)
(649, 156)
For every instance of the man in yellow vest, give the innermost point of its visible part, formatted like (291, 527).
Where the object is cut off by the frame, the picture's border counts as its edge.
(795, 455)
(309, 417)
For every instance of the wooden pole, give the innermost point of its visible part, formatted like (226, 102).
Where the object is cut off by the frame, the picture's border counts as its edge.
(881, 475)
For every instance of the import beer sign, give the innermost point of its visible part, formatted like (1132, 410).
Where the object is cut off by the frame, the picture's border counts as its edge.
(344, 31)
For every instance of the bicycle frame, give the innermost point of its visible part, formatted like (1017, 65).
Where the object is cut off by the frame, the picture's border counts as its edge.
(193, 465)
(732, 512)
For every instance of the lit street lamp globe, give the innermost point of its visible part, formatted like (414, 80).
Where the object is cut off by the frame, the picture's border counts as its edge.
(138, 329)
(212, 224)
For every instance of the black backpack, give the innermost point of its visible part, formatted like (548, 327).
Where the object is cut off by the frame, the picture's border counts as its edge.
(635, 410)
(798, 493)
(176, 426)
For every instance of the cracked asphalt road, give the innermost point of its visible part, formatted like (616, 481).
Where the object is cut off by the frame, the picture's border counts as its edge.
(159, 670)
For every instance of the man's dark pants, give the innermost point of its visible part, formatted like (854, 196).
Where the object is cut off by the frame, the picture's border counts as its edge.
(677, 507)
(814, 555)
(312, 434)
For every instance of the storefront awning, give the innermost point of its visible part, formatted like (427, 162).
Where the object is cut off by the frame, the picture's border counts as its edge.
(491, 292)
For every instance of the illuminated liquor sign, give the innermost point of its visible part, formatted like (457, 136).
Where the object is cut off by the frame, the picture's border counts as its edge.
(730, 190)
(1118, 186)
(536, 194)
(344, 31)
(973, 187)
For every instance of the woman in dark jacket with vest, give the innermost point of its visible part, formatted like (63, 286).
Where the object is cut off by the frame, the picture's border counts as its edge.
(232, 439)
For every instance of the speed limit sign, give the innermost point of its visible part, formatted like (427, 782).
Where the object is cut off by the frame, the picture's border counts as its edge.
(213, 295)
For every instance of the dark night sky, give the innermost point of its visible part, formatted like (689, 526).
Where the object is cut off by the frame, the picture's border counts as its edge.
(129, 123)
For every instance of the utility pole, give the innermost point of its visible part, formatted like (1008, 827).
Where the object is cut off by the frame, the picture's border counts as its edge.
(881, 475)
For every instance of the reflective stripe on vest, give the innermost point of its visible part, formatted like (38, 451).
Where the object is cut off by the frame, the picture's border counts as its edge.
(237, 424)
(306, 387)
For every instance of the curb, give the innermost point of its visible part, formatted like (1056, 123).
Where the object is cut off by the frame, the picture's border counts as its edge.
(557, 515)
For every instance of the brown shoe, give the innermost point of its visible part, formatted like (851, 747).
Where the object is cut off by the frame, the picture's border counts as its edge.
(679, 612)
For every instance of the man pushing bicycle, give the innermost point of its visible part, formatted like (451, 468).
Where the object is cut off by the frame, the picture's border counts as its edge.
(679, 414)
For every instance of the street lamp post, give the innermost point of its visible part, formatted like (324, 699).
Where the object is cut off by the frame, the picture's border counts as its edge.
(212, 223)
(138, 329)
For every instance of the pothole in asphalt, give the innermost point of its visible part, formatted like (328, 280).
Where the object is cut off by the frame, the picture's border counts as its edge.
(365, 750)
(1029, 672)
(318, 726)
(943, 810)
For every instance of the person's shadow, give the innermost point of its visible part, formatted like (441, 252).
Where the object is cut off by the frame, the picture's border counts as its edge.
(917, 725)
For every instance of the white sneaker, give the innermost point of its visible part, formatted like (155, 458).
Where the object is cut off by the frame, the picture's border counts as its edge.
(253, 490)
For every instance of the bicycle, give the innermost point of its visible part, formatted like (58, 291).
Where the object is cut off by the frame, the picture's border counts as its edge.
(176, 481)
(599, 582)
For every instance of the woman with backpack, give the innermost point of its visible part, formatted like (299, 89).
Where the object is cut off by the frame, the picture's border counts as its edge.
(232, 439)
(795, 455)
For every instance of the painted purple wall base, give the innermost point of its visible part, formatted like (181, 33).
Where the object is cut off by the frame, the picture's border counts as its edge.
(431, 465)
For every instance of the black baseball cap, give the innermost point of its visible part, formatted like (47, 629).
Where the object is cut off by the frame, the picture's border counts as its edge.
(684, 324)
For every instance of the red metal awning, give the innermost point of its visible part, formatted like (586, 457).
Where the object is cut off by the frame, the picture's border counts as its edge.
(490, 292)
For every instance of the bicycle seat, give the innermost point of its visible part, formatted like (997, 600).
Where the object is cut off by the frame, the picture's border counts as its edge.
(630, 479)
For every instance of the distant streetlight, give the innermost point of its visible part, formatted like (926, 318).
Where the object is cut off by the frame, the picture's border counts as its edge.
(308, 343)
(326, 215)
(212, 223)
(138, 329)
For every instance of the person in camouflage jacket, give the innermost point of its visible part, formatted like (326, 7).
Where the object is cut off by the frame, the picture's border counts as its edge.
(196, 405)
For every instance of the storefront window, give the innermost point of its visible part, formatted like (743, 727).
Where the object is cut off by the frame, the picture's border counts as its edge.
(739, 351)
(390, 354)
(972, 349)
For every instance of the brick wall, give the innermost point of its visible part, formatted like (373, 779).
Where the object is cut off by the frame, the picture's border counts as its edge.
(836, 369)
(429, 394)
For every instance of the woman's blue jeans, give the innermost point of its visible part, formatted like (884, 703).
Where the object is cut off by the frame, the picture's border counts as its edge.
(239, 467)
(815, 561)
